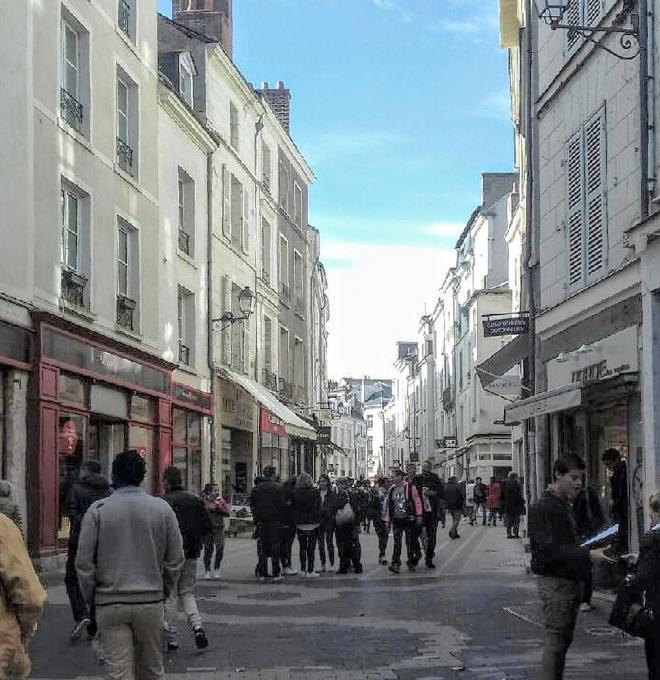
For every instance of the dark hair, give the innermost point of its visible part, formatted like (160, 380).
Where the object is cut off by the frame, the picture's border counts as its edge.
(268, 471)
(398, 472)
(611, 456)
(324, 476)
(172, 476)
(92, 465)
(128, 469)
(563, 465)
(478, 479)
(209, 486)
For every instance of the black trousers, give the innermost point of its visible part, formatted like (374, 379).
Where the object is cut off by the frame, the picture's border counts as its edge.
(401, 527)
(431, 526)
(382, 533)
(348, 546)
(652, 650)
(78, 605)
(307, 541)
(268, 546)
(287, 533)
(326, 534)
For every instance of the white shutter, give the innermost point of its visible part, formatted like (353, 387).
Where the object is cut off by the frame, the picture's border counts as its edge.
(593, 11)
(595, 159)
(268, 343)
(573, 17)
(246, 335)
(575, 192)
(226, 331)
(245, 240)
(226, 202)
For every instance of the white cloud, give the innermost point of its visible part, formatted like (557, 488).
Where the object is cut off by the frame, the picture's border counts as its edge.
(495, 105)
(452, 229)
(339, 144)
(462, 27)
(377, 296)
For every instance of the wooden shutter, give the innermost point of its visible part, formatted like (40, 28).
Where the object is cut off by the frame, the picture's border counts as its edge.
(573, 17)
(593, 11)
(268, 343)
(245, 239)
(226, 331)
(226, 202)
(595, 159)
(575, 177)
(246, 335)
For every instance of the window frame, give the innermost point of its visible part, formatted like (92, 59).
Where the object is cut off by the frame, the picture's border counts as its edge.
(185, 76)
(125, 114)
(66, 25)
(297, 209)
(234, 127)
(266, 250)
(123, 229)
(67, 195)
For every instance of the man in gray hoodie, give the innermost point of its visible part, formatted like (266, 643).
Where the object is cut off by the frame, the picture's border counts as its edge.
(129, 557)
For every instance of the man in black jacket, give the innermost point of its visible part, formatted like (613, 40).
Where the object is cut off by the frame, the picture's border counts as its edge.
(560, 562)
(430, 490)
(514, 505)
(455, 498)
(267, 503)
(194, 524)
(91, 486)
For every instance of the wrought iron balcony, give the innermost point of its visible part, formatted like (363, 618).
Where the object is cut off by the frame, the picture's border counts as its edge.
(73, 287)
(285, 293)
(265, 180)
(72, 109)
(126, 312)
(184, 354)
(184, 241)
(124, 17)
(124, 156)
(265, 275)
(270, 380)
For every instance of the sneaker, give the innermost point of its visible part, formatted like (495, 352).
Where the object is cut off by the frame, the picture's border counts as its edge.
(358, 569)
(323, 569)
(330, 569)
(430, 565)
(200, 638)
(207, 574)
(172, 642)
(412, 567)
(262, 579)
(312, 574)
(394, 568)
(77, 630)
(382, 560)
(290, 571)
(216, 574)
(278, 579)
(585, 607)
(342, 570)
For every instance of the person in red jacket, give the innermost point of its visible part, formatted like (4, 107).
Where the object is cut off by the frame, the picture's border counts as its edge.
(403, 510)
(493, 500)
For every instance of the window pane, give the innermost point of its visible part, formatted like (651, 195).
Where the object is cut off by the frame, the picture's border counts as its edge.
(194, 429)
(180, 460)
(72, 221)
(195, 480)
(123, 246)
(122, 97)
(180, 426)
(122, 276)
(72, 250)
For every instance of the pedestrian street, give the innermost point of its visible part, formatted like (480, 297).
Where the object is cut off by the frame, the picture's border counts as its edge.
(474, 617)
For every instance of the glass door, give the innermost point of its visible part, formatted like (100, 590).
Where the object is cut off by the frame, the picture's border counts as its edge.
(142, 439)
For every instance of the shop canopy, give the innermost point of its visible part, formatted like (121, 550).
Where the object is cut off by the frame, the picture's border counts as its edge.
(503, 360)
(562, 399)
(294, 425)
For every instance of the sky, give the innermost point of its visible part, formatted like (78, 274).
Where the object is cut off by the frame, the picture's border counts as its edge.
(398, 106)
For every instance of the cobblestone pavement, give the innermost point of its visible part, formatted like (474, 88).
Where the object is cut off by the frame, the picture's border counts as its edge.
(475, 617)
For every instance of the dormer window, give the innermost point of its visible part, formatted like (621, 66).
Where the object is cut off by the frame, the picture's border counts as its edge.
(185, 81)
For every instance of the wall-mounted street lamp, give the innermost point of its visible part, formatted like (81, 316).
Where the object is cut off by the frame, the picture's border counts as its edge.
(560, 14)
(246, 302)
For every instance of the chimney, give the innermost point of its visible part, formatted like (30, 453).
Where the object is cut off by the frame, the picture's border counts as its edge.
(212, 18)
(279, 99)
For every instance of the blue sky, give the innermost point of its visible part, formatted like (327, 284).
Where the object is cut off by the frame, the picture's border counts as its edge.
(398, 105)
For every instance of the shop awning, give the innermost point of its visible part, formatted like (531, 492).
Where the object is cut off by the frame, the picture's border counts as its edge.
(293, 424)
(561, 399)
(503, 360)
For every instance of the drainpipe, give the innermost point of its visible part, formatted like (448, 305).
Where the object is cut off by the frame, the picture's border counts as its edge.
(645, 107)
(648, 18)
(209, 302)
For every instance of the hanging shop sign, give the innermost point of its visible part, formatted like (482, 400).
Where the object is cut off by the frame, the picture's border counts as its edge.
(450, 443)
(323, 435)
(499, 324)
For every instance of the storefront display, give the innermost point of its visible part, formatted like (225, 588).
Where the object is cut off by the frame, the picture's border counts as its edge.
(187, 447)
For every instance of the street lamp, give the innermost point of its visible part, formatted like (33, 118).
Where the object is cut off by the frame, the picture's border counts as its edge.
(565, 14)
(246, 300)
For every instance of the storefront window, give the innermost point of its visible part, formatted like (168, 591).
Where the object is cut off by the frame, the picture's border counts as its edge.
(187, 451)
(142, 439)
(71, 450)
(72, 390)
(143, 409)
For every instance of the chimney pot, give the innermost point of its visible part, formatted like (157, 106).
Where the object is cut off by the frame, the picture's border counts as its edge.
(280, 85)
(264, 85)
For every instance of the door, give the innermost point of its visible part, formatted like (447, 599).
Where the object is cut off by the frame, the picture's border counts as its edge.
(142, 439)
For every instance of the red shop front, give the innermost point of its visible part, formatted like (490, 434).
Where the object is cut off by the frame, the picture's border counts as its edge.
(91, 397)
(274, 443)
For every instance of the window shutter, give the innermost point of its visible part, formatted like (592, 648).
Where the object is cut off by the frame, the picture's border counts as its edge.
(575, 210)
(572, 17)
(246, 221)
(268, 343)
(595, 159)
(226, 331)
(226, 202)
(593, 12)
(245, 337)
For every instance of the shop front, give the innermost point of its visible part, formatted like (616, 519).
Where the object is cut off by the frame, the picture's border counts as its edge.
(90, 398)
(274, 443)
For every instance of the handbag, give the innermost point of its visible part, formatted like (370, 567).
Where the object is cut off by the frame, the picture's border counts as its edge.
(631, 612)
(345, 515)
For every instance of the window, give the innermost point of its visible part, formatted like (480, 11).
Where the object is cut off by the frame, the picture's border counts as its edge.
(265, 251)
(186, 325)
(370, 421)
(284, 188)
(299, 300)
(72, 109)
(126, 18)
(128, 276)
(233, 126)
(460, 370)
(127, 123)
(186, 84)
(266, 170)
(297, 205)
(238, 333)
(70, 230)
(268, 344)
(74, 245)
(581, 13)
(236, 211)
(186, 198)
(298, 362)
(284, 354)
(187, 448)
(285, 293)
(587, 225)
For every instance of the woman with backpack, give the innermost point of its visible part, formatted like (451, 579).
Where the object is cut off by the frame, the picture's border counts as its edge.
(348, 514)
(307, 503)
(403, 512)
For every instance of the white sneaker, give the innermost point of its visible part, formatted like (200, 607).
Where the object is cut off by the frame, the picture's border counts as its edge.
(312, 574)
(262, 579)
(330, 569)
(289, 571)
(278, 579)
(215, 574)
(585, 607)
(207, 574)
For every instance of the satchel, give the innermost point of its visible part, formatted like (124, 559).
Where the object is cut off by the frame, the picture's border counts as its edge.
(345, 515)
(631, 612)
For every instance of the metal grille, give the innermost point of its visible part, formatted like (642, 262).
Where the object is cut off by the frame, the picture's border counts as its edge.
(72, 109)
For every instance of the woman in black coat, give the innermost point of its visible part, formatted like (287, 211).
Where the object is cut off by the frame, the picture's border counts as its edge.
(307, 504)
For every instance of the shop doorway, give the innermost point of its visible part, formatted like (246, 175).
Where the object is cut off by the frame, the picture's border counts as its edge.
(107, 438)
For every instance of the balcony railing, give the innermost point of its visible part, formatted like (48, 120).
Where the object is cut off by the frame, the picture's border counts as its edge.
(286, 390)
(184, 354)
(124, 156)
(285, 293)
(73, 287)
(72, 109)
(265, 180)
(124, 17)
(184, 241)
(265, 275)
(299, 395)
(126, 312)
(270, 380)
(448, 400)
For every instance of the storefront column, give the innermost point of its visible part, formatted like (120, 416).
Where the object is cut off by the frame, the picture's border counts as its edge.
(163, 458)
(15, 461)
